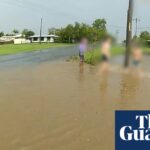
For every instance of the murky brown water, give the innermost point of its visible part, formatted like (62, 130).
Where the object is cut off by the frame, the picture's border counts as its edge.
(59, 106)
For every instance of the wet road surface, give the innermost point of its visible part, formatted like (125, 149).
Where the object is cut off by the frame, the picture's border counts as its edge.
(36, 57)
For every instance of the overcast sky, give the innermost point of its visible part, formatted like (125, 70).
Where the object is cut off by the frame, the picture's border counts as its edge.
(20, 14)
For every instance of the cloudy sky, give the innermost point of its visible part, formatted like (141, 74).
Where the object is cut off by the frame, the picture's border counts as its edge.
(20, 14)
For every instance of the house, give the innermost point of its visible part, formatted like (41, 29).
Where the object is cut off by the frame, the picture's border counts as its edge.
(16, 39)
(8, 38)
(21, 41)
(44, 38)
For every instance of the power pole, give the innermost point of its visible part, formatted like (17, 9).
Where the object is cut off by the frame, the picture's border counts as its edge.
(129, 33)
(136, 25)
(117, 36)
(41, 29)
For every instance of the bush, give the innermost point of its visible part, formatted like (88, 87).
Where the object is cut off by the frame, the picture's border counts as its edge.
(92, 57)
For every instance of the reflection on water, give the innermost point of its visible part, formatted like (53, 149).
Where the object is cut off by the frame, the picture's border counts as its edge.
(129, 86)
(64, 106)
(104, 86)
(81, 68)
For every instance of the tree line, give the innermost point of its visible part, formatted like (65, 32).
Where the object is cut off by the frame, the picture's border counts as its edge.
(74, 32)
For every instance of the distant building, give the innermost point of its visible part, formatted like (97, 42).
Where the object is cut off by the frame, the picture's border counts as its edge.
(8, 38)
(44, 38)
(16, 39)
(21, 41)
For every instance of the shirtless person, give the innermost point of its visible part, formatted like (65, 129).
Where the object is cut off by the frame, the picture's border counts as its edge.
(105, 55)
(137, 56)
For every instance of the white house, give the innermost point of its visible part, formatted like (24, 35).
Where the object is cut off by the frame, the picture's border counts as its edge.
(16, 39)
(10, 37)
(21, 41)
(44, 38)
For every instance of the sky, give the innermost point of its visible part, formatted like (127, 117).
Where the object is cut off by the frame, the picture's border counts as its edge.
(20, 14)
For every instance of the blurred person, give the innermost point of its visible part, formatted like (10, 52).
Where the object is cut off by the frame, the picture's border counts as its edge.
(137, 56)
(83, 46)
(105, 55)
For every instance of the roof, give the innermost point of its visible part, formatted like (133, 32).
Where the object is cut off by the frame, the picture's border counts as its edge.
(12, 36)
(38, 36)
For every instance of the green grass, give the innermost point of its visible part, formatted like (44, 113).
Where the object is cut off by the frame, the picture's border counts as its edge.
(93, 56)
(13, 49)
(147, 50)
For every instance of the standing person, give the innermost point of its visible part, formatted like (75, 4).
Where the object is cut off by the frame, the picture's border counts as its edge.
(105, 55)
(137, 56)
(82, 48)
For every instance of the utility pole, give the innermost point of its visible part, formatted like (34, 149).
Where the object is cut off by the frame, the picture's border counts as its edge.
(117, 36)
(136, 25)
(129, 33)
(41, 29)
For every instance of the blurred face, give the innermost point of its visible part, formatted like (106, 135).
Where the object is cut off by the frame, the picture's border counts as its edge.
(84, 41)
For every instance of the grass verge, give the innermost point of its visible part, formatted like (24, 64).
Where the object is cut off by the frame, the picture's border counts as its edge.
(13, 49)
(94, 56)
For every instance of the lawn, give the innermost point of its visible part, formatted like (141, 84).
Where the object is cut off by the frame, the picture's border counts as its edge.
(147, 50)
(13, 49)
(93, 56)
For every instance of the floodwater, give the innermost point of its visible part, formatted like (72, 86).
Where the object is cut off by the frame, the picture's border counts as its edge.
(60, 105)
(37, 57)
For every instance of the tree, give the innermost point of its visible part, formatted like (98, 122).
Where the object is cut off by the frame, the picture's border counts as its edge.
(69, 31)
(1, 34)
(15, 31)
(66, 34)
(74, 32)
(145, 35)
(100, 24)
(77, 28)
(27, 33)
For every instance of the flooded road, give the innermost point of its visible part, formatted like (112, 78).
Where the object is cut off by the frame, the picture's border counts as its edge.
(37, 57)
(61, 106)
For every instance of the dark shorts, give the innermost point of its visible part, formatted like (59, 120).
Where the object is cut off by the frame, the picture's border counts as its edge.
(104, 58)
(81, 57)
(136, 63)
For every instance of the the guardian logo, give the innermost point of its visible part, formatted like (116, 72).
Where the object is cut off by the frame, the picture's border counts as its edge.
(132, 130)
(127, 133)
